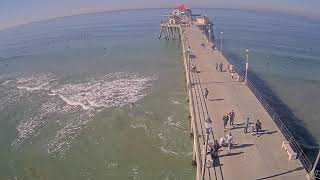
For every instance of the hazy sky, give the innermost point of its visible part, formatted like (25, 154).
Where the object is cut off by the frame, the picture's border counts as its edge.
(14, 12)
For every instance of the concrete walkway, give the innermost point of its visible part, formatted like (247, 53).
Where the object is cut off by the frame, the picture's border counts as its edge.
(251, 157)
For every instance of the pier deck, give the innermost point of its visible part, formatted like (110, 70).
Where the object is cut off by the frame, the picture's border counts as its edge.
(251, 157)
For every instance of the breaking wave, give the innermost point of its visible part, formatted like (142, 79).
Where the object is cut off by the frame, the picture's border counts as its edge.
(107, 91)
(79, 101)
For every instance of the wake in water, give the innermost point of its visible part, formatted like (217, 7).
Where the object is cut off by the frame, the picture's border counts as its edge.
(80, 101)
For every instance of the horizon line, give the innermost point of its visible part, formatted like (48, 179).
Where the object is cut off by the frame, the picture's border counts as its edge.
(154, 8)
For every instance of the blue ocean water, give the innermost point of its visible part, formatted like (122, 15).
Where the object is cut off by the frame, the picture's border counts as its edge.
(94, 96)
(67, 86)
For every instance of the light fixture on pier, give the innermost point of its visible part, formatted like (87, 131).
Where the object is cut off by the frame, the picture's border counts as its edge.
(221, 42)
(247, 65)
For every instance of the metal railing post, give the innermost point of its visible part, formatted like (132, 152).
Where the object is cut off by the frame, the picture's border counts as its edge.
(313, 170)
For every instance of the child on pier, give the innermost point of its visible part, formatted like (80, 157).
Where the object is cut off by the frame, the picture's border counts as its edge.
(253, 131)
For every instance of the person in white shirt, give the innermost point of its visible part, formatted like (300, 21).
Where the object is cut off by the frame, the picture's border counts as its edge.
(229, 138)
(246, 126)
(222, 141)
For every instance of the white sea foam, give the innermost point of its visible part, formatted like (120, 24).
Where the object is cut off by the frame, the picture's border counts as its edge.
(143, 126)
(54, 106)
(135, 173)
(6, 82)
(171, 123)
(107, 91)
(175, 102)
(160, 135)
(79, 100)
(42, 81)
(67, 134)
(110, 164)
(27, 129)
(167, 151)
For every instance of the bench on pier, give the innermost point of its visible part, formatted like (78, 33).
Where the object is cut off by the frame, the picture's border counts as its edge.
(287, 147)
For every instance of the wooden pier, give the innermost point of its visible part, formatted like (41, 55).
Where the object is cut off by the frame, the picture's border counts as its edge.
(250, 157)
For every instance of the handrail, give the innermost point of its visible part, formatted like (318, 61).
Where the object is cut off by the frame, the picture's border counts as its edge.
(196, 133)
(288, 136)
(195, 128)
(294, 144)
(317, 174)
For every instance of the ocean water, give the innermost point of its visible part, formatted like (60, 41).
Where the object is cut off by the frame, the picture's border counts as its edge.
(67, 86)
(284, 62)
(66, 91)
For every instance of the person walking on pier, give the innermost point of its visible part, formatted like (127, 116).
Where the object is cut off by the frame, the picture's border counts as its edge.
(206, 92)
(214, 149)
(253, 131)
(258, 127)
(221, 66)
(246, 126)
(217, 66)
(222, 141)
(207, 124)
(188, 50)
(225, 121)
(203, 45)
(229, 140)
(228, 67)
(193, 68)
(231, 117)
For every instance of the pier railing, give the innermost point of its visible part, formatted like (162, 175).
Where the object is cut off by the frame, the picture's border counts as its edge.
(317, 174)
(196, 140)
(194, 125)
(293, 143)
(286, 133)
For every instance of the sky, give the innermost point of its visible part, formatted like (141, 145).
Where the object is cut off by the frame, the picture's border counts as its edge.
(16, 12)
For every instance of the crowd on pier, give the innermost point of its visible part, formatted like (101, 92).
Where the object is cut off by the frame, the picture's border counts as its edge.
(226, 141)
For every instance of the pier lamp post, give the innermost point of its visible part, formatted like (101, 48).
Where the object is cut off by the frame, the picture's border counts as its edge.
(221, 42)
(247, 65)
(311, 174)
